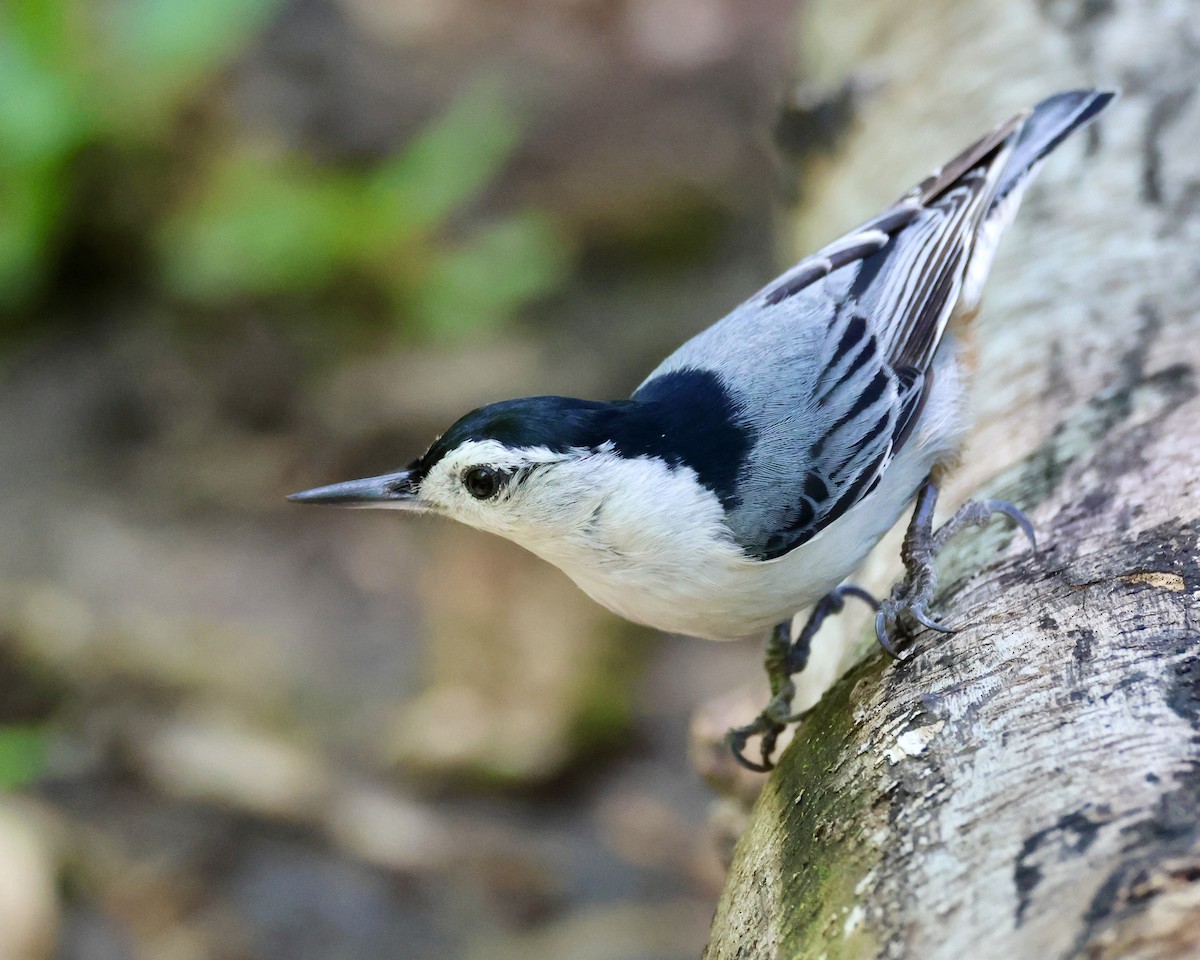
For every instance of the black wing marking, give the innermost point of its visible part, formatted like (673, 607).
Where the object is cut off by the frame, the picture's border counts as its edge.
(888, 317)
(876, 378)
(871, 411)
(911, 291)
(875, 234)
(914, 285)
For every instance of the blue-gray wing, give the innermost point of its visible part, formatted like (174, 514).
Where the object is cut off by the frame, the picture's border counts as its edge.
(830, 365)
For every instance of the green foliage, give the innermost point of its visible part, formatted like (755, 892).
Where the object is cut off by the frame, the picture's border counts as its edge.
(74, 74)
(22, 754)
(447, 164)
(482, 280)
(263, 226)
(166, 44)
(254, 222)
(266, 225)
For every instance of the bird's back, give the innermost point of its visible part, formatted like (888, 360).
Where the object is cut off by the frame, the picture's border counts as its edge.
(827, 370)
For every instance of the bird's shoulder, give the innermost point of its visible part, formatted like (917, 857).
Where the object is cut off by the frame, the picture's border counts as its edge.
(814, 391)
(800, 436)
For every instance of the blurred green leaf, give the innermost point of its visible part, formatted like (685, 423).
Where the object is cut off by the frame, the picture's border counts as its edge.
(446, 165)
(502, 266)
(271, 226)
(263, 227)
(40, 116)
(76, 74)
(171, 40)
(43, 26)
(30, 201)
(22, 755)
(73, 74)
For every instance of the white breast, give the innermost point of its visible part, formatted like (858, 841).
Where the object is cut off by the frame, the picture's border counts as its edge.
(676, 568)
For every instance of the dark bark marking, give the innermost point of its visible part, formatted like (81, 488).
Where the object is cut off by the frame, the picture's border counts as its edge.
(1076, 23)
(1085, 14)
(1170, 834)
(1184, 696)
(1127, 682)
(813, 121)
(1133, 361)
(1163, 113)
(1185, 207)
(1092, 10)
(1058, 373)
(1100, 909)
(1168, 548)
(1169, 828)
(1084, 640)
(1107, 410)
(1074, 833)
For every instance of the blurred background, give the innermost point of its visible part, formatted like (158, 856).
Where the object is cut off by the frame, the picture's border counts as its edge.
(251, 246)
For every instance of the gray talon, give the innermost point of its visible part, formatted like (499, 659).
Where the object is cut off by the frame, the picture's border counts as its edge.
(912, 595)
(921, 615)
(1016, 515)
(881, 634)
(785, 658)
(736, 740)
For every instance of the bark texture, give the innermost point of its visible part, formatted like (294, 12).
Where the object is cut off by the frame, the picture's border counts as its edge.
(1029, 787)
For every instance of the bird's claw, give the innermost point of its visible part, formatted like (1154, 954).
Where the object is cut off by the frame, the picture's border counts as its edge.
(769, 724)
(786, 657)
(888, 617)
(776, 718)
(883, 634)
(738, 737)
(925, 619)
(911, 596)
(1016, 515)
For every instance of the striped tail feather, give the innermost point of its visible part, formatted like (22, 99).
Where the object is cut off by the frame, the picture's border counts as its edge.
(1048, 124)
(1044, 128)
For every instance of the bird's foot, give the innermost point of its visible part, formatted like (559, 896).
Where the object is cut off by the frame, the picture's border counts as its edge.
(785, 658)
(910, 598)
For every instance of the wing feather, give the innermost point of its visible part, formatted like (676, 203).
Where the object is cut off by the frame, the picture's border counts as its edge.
(910, 264)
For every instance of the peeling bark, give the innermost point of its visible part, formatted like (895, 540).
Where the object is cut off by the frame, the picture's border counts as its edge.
(1029, 787)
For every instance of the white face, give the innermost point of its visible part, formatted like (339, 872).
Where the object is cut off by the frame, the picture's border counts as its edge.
(645, 539)
(580, 508)
(526, 495)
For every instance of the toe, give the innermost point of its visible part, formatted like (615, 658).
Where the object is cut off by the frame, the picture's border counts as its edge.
(736, 741)
(1017, 516)
(922, 616)
(882, 634)
(849, 590)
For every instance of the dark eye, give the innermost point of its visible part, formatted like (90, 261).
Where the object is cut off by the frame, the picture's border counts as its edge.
(482, 483)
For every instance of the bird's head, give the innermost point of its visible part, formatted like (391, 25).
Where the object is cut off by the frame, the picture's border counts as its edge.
(578, 480)
(526, 469)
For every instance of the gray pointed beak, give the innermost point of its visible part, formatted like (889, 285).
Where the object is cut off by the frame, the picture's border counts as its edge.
(394, 490)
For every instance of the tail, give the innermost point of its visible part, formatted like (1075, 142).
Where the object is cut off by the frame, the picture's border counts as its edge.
(1047, 125)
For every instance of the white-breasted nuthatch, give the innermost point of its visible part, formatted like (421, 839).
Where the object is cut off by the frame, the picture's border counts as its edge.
(752, 472)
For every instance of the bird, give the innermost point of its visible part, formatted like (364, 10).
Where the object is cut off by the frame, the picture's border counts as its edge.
(751, 472)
